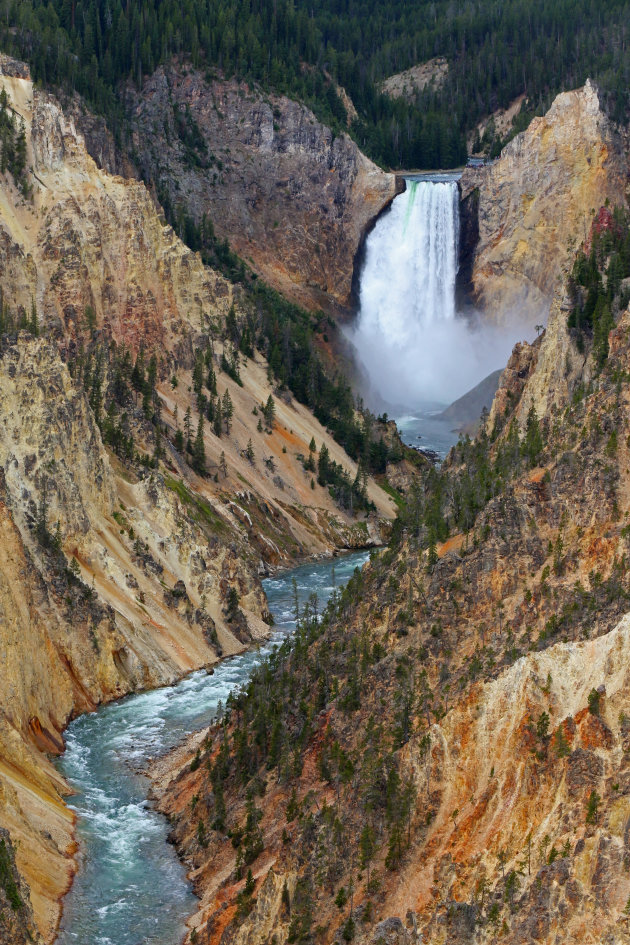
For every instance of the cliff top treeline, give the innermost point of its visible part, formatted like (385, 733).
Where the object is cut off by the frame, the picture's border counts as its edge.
(496, 51)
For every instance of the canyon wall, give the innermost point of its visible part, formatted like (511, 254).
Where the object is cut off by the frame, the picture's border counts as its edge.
(472, 779)
(292, 199)
(533, 206)
(115, 576)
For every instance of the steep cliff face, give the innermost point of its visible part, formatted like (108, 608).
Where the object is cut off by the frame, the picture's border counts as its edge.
(47, 428)
(292, 199)
(16, 918)
(465, 769)
(534, 204)
(74, 638)
(87, 239)
(115, 571)
(507, 797)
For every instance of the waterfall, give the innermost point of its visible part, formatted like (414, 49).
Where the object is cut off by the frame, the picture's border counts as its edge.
(411, 261)
(407, 322)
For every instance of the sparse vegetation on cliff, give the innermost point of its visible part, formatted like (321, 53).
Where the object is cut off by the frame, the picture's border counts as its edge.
(12, 144)
(599, 287)
(492, 563)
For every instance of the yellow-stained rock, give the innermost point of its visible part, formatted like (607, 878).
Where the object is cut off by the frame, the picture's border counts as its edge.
(536, 204)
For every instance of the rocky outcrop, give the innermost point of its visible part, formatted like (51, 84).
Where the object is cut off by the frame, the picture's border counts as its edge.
(492, 804)
(88, 241)
(407, 84)
(99, 140)
(16, 916)
(50, 446)
(512, 381)
(559, 366)
(535, 203)
(291, 198)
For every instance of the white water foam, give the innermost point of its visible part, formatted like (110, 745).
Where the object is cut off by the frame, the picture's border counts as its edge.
(414, 347)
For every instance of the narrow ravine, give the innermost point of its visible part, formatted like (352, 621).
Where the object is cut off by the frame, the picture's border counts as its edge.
(131, 889)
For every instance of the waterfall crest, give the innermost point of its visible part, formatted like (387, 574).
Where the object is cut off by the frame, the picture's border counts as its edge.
(415, 350)
(407, 291)
(411, 261)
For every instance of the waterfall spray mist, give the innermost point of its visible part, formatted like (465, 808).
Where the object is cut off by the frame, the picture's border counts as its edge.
(414, 348)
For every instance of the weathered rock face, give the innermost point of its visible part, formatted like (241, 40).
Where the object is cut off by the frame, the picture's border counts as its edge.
(513, 379)
(559, 366)
(490, 804)
(88, 239)
(99, 140)
(291, 198)
(16, 916)
(70, 641)
(503, 678)
(47, 428)
(535, 204)
(407, 84)
(115, 578)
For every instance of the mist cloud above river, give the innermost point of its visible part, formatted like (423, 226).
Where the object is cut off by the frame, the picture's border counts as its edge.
(431, 363)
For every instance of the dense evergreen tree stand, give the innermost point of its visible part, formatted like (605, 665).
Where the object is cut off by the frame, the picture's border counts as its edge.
(496, 51)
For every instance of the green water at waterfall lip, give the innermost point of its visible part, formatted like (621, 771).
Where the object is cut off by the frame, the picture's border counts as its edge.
(130, 888)
(412, 186)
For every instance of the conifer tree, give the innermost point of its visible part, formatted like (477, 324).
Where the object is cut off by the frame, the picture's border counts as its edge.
(158, 450)
(323, 465)
(269, 412)
(199, 450)
(34, 325)
(197, 374)
(218, 418)
(179, 436)
(188, 428)
(533, 443)
(228, 410)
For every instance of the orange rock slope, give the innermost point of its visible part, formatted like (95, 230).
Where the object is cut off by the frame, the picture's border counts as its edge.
(533, 205)
(470, 709)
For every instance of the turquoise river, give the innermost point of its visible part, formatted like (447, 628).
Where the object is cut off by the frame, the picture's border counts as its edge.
(130, 888)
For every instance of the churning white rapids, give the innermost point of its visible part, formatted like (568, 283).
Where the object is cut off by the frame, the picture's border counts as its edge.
(414, 347)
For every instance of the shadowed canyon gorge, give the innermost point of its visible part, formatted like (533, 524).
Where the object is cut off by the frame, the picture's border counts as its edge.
(434, 747)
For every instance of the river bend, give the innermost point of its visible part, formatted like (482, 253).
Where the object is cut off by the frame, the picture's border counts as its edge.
(130, 888)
